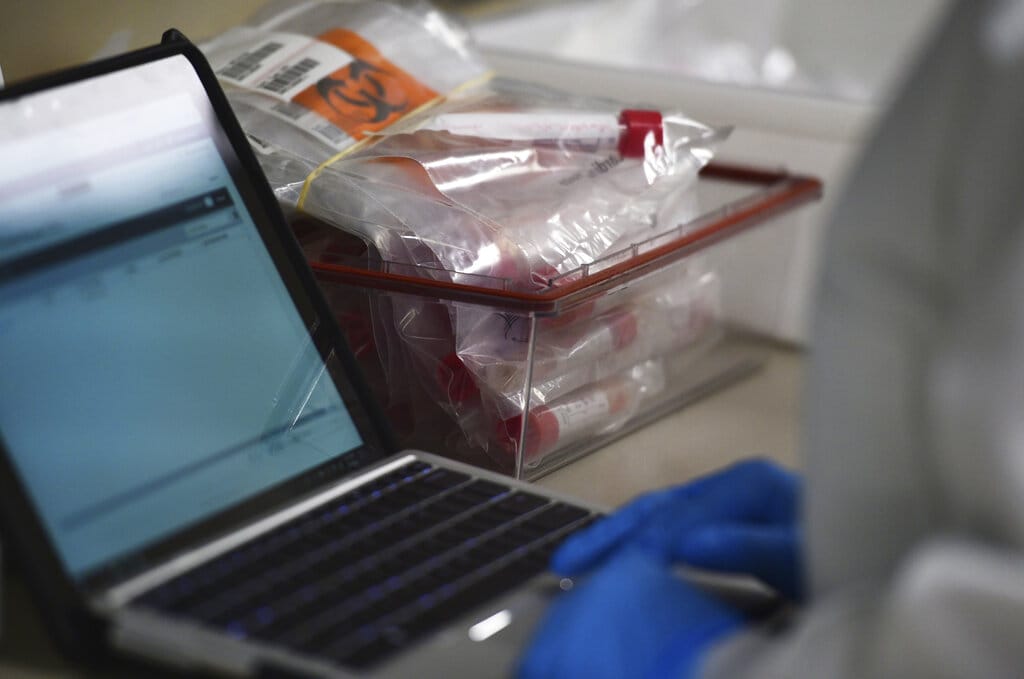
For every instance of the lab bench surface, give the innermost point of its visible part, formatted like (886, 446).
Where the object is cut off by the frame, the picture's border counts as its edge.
(758, 416)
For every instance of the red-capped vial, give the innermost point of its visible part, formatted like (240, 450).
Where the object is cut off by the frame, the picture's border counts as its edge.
(582, 414)
(641, 129)
(631, 132)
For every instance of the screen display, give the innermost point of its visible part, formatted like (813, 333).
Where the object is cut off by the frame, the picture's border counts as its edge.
(153, 366)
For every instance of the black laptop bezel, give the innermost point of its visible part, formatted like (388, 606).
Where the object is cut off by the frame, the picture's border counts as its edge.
(64, 599)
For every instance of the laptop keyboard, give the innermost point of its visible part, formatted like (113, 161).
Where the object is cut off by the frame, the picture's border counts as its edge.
(377, 568)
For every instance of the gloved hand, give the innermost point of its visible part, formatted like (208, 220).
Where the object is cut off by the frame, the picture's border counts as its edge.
(742, 519)
(633, 618)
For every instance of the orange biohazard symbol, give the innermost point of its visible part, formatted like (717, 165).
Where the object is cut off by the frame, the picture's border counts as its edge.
(367, 94)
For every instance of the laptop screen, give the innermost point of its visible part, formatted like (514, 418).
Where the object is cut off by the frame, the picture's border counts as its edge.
(153, 366)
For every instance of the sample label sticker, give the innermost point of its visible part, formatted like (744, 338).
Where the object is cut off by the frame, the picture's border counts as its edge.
(584, 414)
(336, 86)
(277, 64)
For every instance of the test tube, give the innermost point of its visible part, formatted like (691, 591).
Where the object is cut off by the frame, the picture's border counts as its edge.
(588, 412)
(630, 132)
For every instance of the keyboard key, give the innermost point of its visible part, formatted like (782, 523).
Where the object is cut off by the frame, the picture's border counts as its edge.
(521, 503)
(445, 478)
(486, 489)
(416, 467)
(556, 516)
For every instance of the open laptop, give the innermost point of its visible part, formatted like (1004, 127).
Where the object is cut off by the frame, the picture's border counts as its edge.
(191, 470)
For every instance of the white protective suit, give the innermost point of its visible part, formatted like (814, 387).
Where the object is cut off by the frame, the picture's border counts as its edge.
(914, 514)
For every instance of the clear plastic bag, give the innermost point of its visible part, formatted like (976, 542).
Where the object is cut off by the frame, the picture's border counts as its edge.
(496, 351)
(308, 80)
(507, 364)
(379, 120)
(520, 208)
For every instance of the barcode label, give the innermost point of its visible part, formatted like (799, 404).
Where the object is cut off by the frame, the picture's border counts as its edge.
(289, 76)
(290, 110)
(281, 66)
(248, 63)
(308, 121)
(277, 64)
(333, 134)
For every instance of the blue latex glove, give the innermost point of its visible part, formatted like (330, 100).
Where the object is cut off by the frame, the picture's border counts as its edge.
(633, 618)
(743, 519)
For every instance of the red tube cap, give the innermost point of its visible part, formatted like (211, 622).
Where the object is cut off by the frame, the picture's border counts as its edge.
(639, 123)
(541, 432)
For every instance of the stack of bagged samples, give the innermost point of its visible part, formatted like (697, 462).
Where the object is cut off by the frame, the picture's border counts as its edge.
(393, 149)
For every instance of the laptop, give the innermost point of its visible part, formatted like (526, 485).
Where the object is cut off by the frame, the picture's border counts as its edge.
(191, 468)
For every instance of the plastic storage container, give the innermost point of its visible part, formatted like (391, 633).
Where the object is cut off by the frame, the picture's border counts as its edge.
(792, 76)
(526, 382)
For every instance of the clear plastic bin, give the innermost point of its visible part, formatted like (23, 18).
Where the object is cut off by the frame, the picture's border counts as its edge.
(791, 76)
(526, 382)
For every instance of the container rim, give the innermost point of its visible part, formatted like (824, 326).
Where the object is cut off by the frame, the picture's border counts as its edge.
(780, 192)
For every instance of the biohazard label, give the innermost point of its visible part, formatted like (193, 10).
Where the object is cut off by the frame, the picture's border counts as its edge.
(367, 94)
(336, 86)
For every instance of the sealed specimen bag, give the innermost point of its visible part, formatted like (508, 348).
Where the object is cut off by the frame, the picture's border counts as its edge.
(381, 123)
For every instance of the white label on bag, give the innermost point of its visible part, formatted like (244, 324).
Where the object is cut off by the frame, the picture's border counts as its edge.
(280, 65)
(308, 121)
(291, 76)
(277, 64)
(336, 85)
(244, 55)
